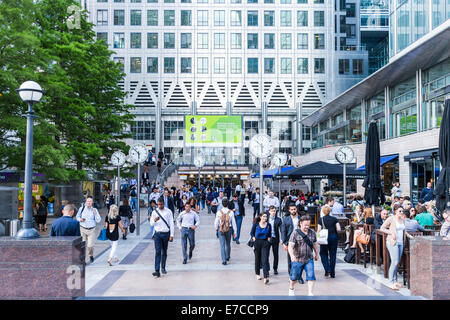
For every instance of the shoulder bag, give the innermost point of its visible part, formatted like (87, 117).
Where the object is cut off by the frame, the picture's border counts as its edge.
(322, 236)
(157, 212)
(306, 239)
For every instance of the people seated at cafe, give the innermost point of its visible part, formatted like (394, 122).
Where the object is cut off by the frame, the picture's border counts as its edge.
(423, 217)
(368, 216)
(367, 219)
(445, 228)
(357, 201)
(358, 216)
(406, 205)
(337, 209)
(411, 225)
(380, 218)
(378, 222)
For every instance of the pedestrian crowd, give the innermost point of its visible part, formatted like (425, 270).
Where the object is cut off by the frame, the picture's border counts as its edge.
(282, 224)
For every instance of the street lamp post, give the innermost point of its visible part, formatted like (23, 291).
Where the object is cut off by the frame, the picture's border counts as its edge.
(31, 93)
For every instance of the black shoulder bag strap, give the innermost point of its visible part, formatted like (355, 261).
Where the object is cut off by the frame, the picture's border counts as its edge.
(157, 212)
(306, 239)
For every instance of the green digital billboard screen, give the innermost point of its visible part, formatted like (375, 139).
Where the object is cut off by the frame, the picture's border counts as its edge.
(213, 131)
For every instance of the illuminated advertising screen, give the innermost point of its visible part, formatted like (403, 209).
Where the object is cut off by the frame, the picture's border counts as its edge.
(213, 131)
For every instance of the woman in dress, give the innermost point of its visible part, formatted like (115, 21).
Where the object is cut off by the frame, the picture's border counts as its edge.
(112, 224)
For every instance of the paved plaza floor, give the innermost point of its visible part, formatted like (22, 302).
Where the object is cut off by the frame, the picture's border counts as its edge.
(205, 277)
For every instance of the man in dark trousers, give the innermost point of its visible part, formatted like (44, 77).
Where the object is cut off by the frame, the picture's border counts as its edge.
(275, 223)
(65, 226)
(290, 223)
(169, 201)
(237, 206)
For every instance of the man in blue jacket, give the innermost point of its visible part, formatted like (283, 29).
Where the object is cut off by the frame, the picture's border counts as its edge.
(427, 193)
(65, 226)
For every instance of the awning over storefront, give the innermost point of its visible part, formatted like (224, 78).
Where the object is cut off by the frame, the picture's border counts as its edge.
(321, 170)
(272, 172)
(422, 155)
(383, 160)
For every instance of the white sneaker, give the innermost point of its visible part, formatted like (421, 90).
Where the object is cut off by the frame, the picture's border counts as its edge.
(310, 294)
(291, 292)
(258, 277)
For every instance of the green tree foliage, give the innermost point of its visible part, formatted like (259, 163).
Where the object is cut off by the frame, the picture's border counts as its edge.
(82, 116)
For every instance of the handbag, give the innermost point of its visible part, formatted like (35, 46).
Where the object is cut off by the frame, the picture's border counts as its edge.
(322, 236)
(102, 235)
(251, 243)
(350, 256)
(363, 238)
(132, 227)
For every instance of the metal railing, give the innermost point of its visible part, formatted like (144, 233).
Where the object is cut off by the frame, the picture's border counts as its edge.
(168, 170)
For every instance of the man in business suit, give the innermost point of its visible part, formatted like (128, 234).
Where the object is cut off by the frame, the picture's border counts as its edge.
(65, 226)
(289, 225)
(237, 206)
(169, 202)
(275, 223)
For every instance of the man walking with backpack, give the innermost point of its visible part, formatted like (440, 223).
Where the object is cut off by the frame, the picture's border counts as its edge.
(88, 217)
(224, 224)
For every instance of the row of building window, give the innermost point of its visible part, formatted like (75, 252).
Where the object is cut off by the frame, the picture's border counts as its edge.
(344, 66)
(174, 130)
(236, 65)
(219, 18)
(286, 40)
(218, 1)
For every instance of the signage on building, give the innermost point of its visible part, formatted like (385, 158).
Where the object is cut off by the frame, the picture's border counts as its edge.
(183, 177)
(213, 131)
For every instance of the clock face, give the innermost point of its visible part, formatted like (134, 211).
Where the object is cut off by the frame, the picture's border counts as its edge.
(344, 155)
(279, 159)
(138, 153)
(261, 146)
(118, 158)
(199, 162)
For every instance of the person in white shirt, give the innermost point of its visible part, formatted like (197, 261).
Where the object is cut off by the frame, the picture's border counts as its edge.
(218, 201)
(187, 221)
(162, 221)
(225, 225)
(337, 209)
(238, 189)
(88, 217)
(271, 200)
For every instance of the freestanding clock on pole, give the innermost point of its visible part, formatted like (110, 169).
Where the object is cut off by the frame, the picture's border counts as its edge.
(118, 159)
(261, 147)
(199, 163)
(279, 160)
(138, 154)
(345, 155)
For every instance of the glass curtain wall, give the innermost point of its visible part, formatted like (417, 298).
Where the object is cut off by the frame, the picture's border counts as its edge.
(375, 111)
(403, 108)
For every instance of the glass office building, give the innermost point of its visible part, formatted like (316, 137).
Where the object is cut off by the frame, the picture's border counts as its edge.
(406, 99)
(261, 59)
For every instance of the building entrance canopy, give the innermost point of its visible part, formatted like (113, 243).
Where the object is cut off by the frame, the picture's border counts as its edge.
(321, 170)
(383, 160)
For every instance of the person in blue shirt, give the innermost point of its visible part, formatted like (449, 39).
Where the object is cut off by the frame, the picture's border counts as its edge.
(65, 226)
(261, 234)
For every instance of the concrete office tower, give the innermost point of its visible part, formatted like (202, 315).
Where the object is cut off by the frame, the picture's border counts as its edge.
(262, 59)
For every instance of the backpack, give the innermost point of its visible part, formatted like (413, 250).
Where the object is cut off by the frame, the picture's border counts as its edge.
(133, 193)
(224, 225)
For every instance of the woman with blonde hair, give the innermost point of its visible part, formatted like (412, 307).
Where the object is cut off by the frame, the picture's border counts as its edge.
(328, 251)
(112, 224)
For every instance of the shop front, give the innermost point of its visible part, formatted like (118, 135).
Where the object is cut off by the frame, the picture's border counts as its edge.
(424, 167)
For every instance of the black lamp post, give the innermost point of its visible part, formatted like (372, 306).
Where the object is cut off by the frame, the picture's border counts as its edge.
(31, 93)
